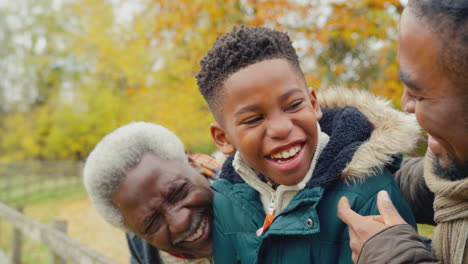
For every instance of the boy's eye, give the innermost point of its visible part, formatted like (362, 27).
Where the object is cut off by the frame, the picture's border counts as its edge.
(252, 120)
(294, 105)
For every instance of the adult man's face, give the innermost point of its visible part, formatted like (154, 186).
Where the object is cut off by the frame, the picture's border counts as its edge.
(167, 203)
(440, 105)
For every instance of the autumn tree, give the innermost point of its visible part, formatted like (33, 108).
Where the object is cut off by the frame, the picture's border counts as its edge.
(106, 63)
(35, 62)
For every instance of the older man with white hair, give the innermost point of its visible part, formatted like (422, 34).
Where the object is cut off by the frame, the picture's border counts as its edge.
(140, 179)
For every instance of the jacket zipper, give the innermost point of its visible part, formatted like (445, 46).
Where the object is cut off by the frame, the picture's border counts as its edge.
(270, 215)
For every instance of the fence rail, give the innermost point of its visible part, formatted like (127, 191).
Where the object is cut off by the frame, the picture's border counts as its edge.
(21, 181)
(58, 242)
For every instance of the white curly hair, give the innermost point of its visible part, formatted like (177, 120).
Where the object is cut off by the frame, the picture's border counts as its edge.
(119, 152)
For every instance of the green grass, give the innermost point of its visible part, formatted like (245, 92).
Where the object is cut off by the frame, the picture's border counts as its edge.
(42, 207)
(48, 195)
(43, 188)
(25, 190)
(425, 230)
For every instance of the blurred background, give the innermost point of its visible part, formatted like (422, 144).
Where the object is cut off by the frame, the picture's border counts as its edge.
(74, 70)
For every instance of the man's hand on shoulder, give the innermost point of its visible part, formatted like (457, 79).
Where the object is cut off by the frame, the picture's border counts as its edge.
(362, 228)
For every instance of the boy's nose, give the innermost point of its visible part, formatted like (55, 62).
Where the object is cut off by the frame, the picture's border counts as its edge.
(279, 127)
(408, 103)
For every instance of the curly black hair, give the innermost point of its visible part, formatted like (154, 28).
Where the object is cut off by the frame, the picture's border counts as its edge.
(241, 47)
(449, 20)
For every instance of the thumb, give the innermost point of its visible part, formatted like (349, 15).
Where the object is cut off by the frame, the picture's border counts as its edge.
(345, 213)
(387, 210)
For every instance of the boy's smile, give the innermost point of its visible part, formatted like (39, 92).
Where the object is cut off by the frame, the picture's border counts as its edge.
(270, 117)
(287, 159)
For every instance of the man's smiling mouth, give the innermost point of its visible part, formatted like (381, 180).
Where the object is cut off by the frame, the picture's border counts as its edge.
(195, 231)
(198, 232)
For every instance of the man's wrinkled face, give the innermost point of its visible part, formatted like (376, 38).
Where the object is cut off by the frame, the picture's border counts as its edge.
(167, 203)
(430, 93)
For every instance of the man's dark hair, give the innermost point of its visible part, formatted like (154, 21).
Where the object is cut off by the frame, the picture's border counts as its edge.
(241, 47)
(449, 20)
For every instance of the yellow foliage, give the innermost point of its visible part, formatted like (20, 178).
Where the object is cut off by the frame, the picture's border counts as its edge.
(144, 69)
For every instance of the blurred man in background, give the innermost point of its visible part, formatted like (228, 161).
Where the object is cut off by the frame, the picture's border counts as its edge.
(433, 59)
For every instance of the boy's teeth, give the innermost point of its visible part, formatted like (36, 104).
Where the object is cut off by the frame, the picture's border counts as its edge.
(287, 153)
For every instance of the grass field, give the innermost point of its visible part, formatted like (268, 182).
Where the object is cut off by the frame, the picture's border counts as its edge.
(27, 190)
(54, 191)
(84, 225)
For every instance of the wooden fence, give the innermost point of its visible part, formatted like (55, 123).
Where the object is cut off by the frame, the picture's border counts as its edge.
(27, 180)
(63, 247)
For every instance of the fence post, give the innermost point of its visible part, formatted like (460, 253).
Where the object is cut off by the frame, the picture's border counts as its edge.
(17, 241)
(60, 225)
(8, 190)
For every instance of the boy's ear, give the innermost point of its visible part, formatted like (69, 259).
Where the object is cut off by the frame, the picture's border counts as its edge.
(315, 103)
(221, 139)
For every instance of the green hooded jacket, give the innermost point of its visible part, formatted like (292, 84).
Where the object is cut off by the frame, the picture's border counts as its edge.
(367, 138)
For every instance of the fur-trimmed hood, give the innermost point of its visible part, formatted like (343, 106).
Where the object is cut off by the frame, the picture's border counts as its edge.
(366, 134)
(394, 132)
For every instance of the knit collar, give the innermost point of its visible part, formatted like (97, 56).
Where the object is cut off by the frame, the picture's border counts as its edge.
(182, 259)
(450, 239)
(447, 193)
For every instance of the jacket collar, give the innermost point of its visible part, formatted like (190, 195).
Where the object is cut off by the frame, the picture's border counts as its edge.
(394, 132)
